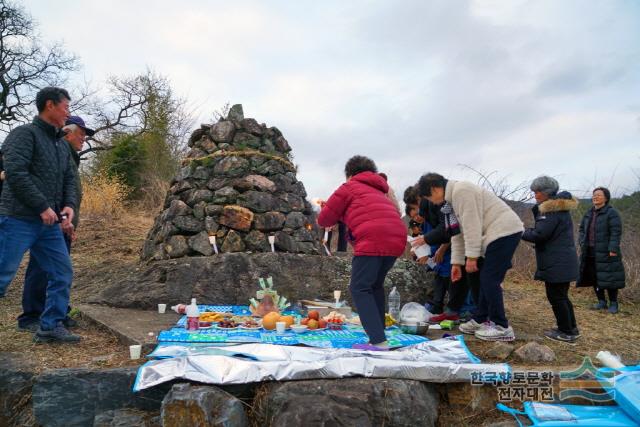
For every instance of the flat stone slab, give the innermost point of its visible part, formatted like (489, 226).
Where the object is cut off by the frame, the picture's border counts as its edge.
(129, 325)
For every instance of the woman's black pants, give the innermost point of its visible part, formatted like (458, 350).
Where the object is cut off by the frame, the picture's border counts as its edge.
(558, 296)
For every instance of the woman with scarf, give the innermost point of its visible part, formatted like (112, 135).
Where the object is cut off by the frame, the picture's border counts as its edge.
(600, 257)
(480, 225)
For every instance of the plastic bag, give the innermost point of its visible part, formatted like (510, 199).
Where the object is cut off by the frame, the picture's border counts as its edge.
(412, 312)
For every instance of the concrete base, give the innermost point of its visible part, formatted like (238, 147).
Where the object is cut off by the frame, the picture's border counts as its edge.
(129, 325)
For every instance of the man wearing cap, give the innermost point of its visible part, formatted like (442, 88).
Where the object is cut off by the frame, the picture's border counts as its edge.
(37, 203)
(35, 282)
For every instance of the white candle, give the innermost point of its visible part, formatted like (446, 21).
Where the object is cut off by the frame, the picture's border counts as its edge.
(272, 240)
(212, 240)
(326, 249)
(336, 295)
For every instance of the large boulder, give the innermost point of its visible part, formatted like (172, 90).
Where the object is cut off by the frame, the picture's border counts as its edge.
(202, 406)
(74, 397)
(348, 402)
(16, 378)
(232, 278)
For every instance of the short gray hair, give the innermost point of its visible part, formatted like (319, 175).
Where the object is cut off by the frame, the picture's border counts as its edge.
(70, 128)
(545, 184)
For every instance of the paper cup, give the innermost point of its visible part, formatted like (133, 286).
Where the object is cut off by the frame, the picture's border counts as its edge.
(135, 350)
(281, 327)
(162, 308)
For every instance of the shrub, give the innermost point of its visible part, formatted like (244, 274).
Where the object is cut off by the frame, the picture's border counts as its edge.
(103, 196)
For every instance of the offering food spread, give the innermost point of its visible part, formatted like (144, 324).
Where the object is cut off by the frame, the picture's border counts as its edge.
(232, 324)
(258, 323)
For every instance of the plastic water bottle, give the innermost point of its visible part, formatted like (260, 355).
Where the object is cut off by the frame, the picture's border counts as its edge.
(193, 316)
(394, 303)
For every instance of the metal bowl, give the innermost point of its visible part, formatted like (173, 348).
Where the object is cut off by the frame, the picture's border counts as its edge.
(415, 328)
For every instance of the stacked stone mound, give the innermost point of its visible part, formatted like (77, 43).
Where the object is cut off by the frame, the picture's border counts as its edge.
(238, 184)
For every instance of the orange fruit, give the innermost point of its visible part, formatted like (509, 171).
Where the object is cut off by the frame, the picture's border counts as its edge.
(287, 319)
(269, 320)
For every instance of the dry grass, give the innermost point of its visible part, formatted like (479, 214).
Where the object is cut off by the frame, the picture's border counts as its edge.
(97, 348)
(105, 250)
(530, 313)
(103, 196)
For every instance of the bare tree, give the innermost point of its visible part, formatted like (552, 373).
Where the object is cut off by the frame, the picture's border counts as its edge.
(26, 64)
(131, 107)
(500, 185)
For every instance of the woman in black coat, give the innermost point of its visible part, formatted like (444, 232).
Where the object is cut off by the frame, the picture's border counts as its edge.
(600, 258)
(556, 259)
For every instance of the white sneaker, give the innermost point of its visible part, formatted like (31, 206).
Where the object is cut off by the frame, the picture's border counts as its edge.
(496, 333)
(471, 327)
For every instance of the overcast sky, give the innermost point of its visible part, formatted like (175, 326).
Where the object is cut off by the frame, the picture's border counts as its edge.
(522, 88)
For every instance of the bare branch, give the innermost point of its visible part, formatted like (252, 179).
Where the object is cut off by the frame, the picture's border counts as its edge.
(26, 64)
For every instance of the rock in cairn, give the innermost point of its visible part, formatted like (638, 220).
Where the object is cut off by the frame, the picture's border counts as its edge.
(237, 183)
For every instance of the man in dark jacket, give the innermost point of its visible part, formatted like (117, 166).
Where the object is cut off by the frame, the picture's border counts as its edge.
(37, 204)
(35, 282)
(556, 259)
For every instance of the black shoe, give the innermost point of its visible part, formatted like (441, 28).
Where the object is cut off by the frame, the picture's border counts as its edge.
(601, 305)
(69, 323)
(556, 335)
(31, 327)
(58, 334)
(576, 333)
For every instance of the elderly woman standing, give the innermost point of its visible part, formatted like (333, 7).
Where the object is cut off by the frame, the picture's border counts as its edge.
(600, 258)
(556, 259)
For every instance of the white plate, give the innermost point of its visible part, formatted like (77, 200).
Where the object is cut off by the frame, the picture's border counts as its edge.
(226, 329)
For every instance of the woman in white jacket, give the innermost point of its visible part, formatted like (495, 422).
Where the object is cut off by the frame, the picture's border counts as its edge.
(485, 233)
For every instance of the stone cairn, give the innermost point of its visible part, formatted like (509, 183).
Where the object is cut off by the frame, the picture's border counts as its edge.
(237, 183)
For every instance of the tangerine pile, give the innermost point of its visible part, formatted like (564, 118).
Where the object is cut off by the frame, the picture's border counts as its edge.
(269, 320)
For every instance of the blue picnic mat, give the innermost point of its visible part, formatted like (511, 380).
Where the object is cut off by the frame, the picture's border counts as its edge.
(344, 338)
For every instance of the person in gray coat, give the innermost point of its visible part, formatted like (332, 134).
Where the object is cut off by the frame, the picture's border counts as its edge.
(600, 257)
(556, 259)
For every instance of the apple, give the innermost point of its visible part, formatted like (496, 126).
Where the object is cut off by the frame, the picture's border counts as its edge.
(313, 324)
(304, 321)
(314, 314)
(322, 323)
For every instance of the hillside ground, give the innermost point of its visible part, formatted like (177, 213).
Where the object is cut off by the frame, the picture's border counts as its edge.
(108, 250)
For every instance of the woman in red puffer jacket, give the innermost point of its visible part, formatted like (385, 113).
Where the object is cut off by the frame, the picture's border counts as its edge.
(378, 236)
